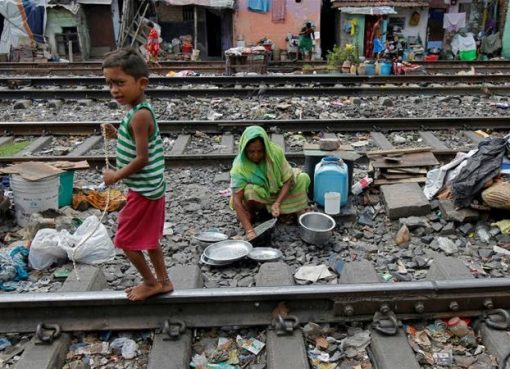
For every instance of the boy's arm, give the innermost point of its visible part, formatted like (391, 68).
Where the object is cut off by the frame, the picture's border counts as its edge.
(142, 126)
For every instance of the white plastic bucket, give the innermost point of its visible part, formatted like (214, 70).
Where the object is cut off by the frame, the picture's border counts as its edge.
(33, 196)
(332, 203)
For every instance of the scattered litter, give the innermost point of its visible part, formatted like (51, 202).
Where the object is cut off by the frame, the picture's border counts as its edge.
(313, 273)
(13, 267)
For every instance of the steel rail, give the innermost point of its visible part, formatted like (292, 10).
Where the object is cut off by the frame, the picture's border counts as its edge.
(234, 126)
(300, 63)
(15, 82)
(262, 91)
(173, 161)
(104, 310)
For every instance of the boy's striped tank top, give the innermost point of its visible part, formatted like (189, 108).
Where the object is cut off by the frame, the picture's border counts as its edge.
(150, 181)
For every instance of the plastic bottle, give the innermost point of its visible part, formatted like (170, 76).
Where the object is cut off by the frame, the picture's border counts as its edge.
(458, 327)
(359, 186)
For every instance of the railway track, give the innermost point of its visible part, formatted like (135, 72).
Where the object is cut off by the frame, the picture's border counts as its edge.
(294, 125)
(161, 93)
(218, 145)
(274, 306)
(276, 80)
(218, 67)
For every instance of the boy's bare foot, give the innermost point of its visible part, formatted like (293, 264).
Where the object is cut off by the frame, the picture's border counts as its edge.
(144, 291)
(166, 286)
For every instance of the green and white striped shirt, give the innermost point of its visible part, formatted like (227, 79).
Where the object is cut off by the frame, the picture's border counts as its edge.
(150, 181)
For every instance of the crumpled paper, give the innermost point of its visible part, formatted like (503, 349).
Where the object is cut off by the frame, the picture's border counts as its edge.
(313, 273)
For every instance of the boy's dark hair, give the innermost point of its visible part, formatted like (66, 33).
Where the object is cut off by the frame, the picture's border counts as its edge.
(128, 60)
(150, 24)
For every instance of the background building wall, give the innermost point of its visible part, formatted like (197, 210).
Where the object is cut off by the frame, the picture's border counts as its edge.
(254, 26)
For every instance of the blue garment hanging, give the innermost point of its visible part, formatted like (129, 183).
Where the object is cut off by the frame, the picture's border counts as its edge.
(261, 6)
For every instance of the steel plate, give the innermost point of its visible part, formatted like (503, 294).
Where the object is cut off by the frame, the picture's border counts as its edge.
(265, 254)
(211, 236)
(206, 261)
(228, 250)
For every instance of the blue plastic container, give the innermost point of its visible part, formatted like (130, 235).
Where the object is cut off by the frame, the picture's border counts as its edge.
(65, 191)
(331, 175)
(385, 69)
(370, 69)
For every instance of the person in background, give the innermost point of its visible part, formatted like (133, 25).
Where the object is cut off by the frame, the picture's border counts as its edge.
(152, 45)
(141, 166)
(306, 37)
(263, 180)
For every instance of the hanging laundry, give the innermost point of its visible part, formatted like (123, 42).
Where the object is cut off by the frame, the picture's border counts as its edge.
(261, 6)
(491, 43)
(452, 22)
(278, 11)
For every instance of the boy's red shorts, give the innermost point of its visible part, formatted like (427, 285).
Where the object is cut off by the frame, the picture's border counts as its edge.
(141, 223)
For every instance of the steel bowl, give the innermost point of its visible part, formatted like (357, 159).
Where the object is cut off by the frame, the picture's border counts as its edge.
(316, 228)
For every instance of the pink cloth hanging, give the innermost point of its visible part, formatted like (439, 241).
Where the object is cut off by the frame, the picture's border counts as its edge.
(278, 11)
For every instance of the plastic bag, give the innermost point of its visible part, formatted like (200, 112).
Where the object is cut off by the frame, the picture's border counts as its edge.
(96, 249)
(45, 249)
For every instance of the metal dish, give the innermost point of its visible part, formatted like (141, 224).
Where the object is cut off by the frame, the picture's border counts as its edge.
(265, 254)
(211, 237)
(207, 261)
(228, 250)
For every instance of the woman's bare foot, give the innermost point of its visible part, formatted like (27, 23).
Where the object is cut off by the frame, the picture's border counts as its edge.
(144, 291)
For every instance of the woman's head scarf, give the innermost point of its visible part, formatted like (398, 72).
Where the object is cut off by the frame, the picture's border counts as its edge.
(271, 173)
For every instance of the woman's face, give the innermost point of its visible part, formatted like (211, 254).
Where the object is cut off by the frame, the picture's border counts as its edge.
(255, 151)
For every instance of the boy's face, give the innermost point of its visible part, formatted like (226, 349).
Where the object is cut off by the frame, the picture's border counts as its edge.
(126, 89)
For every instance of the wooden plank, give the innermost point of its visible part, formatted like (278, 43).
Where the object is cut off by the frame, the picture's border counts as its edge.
(473, 136)
(407, 170)
(397, 176)
(409, 150)
(433, 141)
(422, 159)
(382, 181)
(180, 145)
(381, 141)
(278, 139)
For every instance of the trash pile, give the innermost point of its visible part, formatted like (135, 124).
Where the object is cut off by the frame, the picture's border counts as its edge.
(330, 348)
(11, 348)
(477, 181)
(221, 350)
(448, 343)
(108, 350)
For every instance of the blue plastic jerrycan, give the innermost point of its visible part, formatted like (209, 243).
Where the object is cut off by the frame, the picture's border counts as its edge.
(331, 175)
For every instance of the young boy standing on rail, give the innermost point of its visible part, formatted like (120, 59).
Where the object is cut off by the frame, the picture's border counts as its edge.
(141, 165)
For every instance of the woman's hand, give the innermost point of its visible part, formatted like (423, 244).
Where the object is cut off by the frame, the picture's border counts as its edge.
(275, 209)
(250, 234)
(109, 131)
(110, 177)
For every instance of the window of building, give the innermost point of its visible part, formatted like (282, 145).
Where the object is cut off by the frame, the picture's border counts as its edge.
(399, 22)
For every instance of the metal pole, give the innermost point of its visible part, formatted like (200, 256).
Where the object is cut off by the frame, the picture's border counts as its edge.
(195, 20)
(70, 47)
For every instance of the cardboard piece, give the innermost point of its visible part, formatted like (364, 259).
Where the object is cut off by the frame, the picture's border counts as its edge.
(32, 170)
